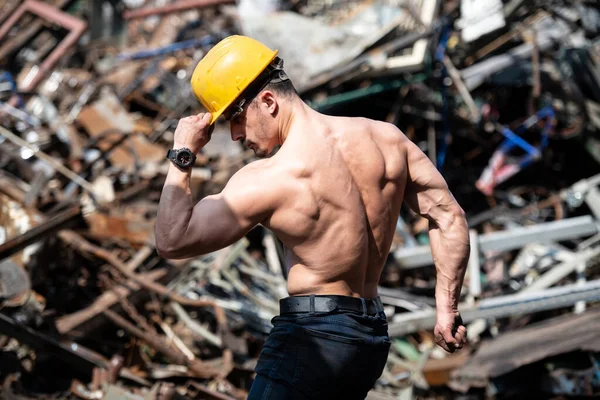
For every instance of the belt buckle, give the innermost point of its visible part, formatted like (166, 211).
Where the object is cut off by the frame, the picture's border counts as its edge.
(331, 305)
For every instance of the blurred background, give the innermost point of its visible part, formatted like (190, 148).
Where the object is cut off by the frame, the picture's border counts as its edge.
(502, 96)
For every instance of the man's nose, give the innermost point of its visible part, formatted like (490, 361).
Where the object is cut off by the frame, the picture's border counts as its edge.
(235, 136)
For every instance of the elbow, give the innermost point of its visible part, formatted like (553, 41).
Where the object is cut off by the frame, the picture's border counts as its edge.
(458, 218)
(458, 213)
(168, 248)
(458, 227)
(170, 253)
(165, 250)
(177, 249)
(451, 218)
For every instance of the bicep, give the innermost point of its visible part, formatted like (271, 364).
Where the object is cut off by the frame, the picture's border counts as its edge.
(213, 225)
(220, 220)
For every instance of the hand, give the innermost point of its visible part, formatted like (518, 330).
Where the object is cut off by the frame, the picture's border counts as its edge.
(450, 333)
(193, 132)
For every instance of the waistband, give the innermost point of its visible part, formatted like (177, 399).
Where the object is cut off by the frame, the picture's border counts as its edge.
(327, 303)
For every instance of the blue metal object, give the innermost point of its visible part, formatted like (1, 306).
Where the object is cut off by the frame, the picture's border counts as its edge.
(7, 77)
(19, 114)
(575, 381)
(161, 51)
(498, 171)
(514, 140)
(439, 56)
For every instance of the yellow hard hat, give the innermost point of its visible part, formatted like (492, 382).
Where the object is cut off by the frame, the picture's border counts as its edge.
(227, 69)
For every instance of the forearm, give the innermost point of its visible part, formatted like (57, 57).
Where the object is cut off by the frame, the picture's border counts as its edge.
(450, 249)
(174, 213)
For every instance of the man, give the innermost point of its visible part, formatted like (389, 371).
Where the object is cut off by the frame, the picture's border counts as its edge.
(332, 194)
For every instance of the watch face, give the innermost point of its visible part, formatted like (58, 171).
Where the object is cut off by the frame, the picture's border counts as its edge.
(185, 158)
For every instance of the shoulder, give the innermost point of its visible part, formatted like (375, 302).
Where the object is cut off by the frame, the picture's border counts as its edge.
(252, 176)
(262, 172)
(389, 137)
(380, 130)
(260, 181)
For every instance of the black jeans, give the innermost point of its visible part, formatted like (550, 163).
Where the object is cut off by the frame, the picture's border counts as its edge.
(334, 355)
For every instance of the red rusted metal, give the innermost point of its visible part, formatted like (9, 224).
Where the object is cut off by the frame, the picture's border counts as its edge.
(75, 25)
(179, 6)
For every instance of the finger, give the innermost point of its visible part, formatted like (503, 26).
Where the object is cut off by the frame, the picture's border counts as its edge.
(463, 332)
(442, 343)
(460, 339)
(448, 337)
(203, 117)
(203, 120)
(186, 121)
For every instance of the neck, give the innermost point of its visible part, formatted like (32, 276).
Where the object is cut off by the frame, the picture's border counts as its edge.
(292, 111)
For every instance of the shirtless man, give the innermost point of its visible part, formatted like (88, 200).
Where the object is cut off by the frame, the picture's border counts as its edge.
(332, 194)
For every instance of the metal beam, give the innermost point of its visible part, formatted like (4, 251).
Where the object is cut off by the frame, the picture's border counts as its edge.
(558, 272)
(474, 267)
(74, 25)
(502, 306)
(69, 352)
(53, 224)
(511, 239)
(182, 5)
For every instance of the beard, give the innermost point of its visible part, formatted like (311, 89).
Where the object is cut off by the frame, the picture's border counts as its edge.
(260, 153)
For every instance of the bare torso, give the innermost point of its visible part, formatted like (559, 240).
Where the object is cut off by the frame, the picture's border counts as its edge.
(343, 184)
(332, 194)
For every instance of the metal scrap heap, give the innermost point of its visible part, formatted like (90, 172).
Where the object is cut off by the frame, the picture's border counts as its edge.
(503, 96)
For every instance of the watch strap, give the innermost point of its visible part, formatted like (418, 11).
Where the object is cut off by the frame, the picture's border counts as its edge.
(171, 154)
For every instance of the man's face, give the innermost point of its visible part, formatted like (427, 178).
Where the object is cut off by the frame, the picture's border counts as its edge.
(253, 128)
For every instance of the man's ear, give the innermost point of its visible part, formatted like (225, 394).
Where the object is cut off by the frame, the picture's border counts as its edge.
(269, 100)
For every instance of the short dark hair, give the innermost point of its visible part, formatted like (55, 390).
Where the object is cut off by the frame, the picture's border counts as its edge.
(285, 88)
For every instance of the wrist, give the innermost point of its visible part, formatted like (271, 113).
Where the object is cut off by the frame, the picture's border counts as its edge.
(180, 145)
(445, 305)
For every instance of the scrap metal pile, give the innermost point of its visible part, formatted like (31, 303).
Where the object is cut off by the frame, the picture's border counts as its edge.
(503, 96)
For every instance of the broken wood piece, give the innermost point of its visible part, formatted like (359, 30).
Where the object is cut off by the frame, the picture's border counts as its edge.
(462, 89)
(107, 121)
(68, 322)
(207, 393)
(83, 245)
(195, 327)
(68, 351)
(139, 258)
(257, 273)
(13, 187)
(245, 290)
(38, 183)
(196, 366)
(135, 231)
(171, 8)
(176, 341)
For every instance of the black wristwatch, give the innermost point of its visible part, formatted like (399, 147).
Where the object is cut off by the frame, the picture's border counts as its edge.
(183, 158)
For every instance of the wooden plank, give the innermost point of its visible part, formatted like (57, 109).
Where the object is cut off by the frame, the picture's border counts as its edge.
(106, 300)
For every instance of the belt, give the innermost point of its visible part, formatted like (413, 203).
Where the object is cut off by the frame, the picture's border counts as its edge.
(328, 303)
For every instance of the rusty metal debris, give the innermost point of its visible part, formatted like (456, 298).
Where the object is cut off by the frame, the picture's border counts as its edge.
(503, 97)
(51, 14)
